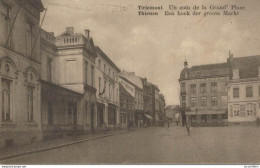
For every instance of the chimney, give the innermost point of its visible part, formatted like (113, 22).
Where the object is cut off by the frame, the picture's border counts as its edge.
(185, 64)
(71, 29)
(235, 74)
(230, 56)
(87, 33)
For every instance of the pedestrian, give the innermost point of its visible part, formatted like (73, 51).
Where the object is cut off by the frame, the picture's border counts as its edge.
(168, 123)
(188, 127)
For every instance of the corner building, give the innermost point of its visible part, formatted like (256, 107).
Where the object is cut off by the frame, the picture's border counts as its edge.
(20, 119)
(203, 93)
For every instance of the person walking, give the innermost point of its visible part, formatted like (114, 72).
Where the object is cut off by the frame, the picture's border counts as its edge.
(188, 127)
(168, 123)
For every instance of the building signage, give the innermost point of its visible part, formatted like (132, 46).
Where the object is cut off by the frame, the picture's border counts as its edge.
(128, 87)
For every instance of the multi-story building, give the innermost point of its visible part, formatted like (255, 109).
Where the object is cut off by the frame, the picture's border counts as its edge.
(162, 114)
(156, 92)
(203, 93)
(148, 101)
(136, 81)
(107, 84)
(127, 102)
(69, 93)
(20, 118)
(244, 89)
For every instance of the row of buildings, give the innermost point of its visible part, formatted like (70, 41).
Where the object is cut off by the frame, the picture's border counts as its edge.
(222, 93)
(53, 86)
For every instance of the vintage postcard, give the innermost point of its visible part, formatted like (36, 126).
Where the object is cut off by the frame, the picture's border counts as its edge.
(130, 82)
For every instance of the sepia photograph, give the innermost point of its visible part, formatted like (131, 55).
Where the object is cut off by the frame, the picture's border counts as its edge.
(130, 82)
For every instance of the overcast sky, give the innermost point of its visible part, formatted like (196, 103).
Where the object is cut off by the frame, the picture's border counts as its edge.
(156, 46)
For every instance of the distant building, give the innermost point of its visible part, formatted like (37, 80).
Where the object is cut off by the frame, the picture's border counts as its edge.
(136, 81)
(203, 93)
(162, 114)
(244, 89)
(170, 111)
(127, 102)
(148, 96)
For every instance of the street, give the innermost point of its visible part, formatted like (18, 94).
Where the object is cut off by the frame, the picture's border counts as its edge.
(159, 145)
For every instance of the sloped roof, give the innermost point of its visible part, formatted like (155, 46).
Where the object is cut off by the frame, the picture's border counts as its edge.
(132, 78)
(248, 66)
(209, 66)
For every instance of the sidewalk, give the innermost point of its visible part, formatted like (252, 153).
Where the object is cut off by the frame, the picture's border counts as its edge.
(15, 151)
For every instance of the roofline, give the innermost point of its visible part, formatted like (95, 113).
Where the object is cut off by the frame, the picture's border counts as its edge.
(108, 59)
(209, 64)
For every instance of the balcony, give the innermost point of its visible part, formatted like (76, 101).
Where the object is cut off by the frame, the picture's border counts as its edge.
(70, 40)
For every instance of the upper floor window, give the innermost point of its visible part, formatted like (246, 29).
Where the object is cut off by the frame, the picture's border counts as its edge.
(235, 92)
(203, 101)
(203, 88)
(29, 37)
(183, 101)
(109, 72)
(183, 86)
(86, 71)
(214, 101)
(99, 85)
(105, 68)
(193, 88)
(236, 110)
(92, 76)
(250, 109)
(214, 87)
(193, 101)
(99, 63)
(249, 92)
(5, 23)
(71, 73)
(49, 60)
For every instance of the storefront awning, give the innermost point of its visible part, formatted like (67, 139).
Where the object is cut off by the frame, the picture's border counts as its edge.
(148, 116)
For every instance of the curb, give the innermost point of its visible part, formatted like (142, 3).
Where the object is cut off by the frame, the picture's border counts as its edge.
(62, 145)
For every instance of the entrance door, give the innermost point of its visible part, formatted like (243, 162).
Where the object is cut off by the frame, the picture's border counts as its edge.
(72, 113)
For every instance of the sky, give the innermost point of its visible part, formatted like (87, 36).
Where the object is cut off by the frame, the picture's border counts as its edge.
(155, 47)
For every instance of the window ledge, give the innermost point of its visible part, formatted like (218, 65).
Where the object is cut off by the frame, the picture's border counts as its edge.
(7, 124)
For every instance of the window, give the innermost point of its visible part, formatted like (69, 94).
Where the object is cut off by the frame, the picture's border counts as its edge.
(29, 37)
(114, 75)
(99, 85)
(204, 101)
(183, 101)
(109, 72)
(109, 91)
(242, 111)
(92, 76)
(30, 90)
(99, 63)
(5, 22)
(250, 109)
(214, 101)
(105, 68)
(49, 60)
(183, 86)
(86, 71)
(249, 92)
(193, 101)
(236, 110)
(214, 87)
(235, 92)
(71, 71)
(6, 100)
(259, 90)
(203, 88)
(193, 88)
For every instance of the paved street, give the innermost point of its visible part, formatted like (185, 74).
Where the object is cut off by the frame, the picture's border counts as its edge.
(157, 145)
